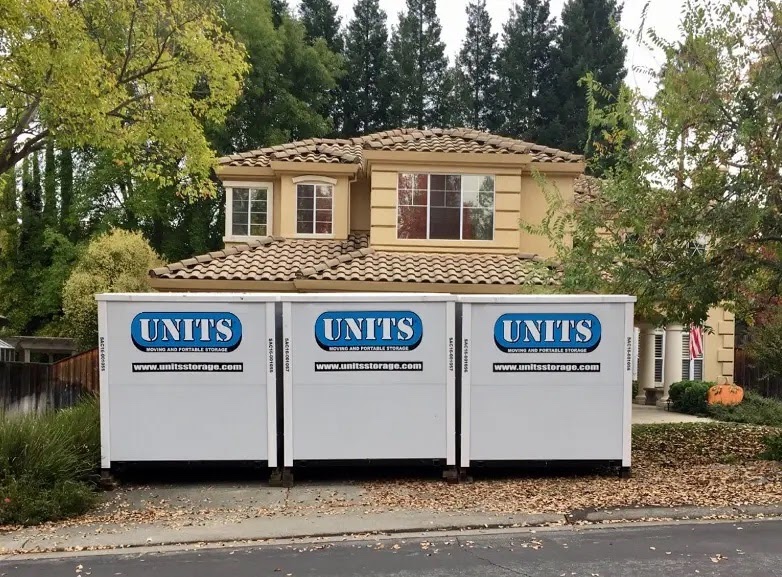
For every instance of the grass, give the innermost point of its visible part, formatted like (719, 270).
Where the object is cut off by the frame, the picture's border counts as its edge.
(49, 464)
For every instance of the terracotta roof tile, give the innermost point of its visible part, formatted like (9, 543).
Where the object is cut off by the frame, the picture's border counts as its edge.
(461, 268)
(274, 259)
(350, 151)
(268, 259)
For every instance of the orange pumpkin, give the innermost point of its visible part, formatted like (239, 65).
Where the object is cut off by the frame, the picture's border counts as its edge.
(725, 395)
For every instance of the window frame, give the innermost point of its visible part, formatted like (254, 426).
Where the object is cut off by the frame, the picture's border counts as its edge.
(461, 207)
(229, 186)
(313, 181)
(691, 362)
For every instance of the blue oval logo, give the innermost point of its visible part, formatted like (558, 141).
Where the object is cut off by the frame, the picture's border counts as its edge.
(208, 332)
(547, 333)
(369, 331)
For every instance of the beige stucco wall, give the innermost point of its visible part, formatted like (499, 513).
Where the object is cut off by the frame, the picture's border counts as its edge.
(341, 206)
(718, 346)
(516, 196)
(359, 204)
(533, 206)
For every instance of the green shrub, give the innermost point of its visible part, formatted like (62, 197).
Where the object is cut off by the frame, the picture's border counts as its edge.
(754, 410)
(49, 464)
(773, 445)
(689, 397)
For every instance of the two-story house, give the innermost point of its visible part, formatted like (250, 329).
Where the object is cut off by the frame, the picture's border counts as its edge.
(409, 210)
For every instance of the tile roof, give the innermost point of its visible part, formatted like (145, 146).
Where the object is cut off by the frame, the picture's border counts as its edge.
(585, 189)
(338, 150)
(274, 259)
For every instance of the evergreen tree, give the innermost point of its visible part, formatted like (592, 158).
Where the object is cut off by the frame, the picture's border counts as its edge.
(366, 87)
(50, 186)
(420, 64)
(67, 227)
(9, 218)
(320, 19)
(448, 100)
(588, 40)
(477, 70)
(524, 68)
(280, 10)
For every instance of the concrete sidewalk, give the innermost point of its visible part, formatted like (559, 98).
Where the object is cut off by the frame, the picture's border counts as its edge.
(651, 415)
(224, 512)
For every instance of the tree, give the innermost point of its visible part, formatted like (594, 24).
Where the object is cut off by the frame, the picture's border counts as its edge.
(320, 19)
(67, 226)
(288, 84)
(688, 217)
(524, 69)
(367, 88)
(50, 186)
(477, 70)
(420, 63)
(280, 10)
(136, 78)
(118, 261)
(589, 40)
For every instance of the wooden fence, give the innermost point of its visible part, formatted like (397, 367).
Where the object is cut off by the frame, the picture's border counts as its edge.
(753, 378)
(32, 387)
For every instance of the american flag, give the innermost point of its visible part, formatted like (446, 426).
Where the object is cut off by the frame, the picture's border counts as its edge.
(696, 342)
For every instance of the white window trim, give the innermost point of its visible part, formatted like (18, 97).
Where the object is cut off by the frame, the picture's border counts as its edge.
(315, 181)
(461, 209)
(229, 185)
(311, 179)
(691, 361)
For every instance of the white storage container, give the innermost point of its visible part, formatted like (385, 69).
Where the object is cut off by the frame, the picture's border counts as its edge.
(187, 377)
(369, 376)
(546, 378)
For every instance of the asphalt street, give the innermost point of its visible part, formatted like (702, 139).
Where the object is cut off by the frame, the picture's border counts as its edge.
(730, 549)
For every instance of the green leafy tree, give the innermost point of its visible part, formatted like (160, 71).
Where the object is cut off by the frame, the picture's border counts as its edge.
(524, 69)
(588, 41)
(419, 61)
(477, 66)
(288, 86)
(136, 78)
(688, 217)
(321, 20)
(118, 261)
(367, 85)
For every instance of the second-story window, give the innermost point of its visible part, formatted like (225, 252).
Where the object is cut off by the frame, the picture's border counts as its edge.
(445, 206)
(247, 210)
(314, 208)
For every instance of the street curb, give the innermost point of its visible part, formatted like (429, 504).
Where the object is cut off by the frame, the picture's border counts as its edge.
(235, 534)
(673, 513)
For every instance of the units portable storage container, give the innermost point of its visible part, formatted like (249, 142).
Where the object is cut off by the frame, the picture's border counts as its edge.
(369, 377)
(546, 378)
(187, 377)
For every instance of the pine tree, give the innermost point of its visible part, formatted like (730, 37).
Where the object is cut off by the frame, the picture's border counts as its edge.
(280, 10)
(50, 186)
(476, 64)
(366, 89)
(67, 227)
(588, 40)
(321, 21)
(419, 64)
(524, 68)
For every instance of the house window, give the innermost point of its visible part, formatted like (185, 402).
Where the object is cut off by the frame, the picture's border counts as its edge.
(658, 357)
(692, 369)
(247, 210)
(445, 206)
(314, 208)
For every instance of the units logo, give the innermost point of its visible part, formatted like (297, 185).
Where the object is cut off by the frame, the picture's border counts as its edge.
(369, 331)
(206, 332)
(547, 333)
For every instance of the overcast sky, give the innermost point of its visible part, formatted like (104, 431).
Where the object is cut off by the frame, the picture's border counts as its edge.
(663, 16)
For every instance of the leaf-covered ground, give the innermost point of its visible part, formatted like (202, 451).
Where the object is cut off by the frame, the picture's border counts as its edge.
(712, 464)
